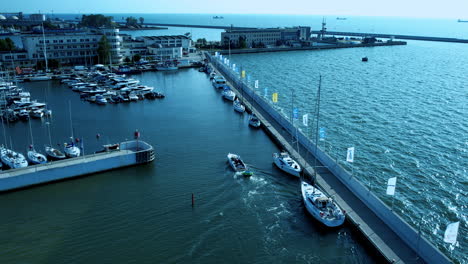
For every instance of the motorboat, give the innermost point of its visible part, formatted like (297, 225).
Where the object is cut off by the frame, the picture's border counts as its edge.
(71, 150)
(238, 106)
(35, 157)
(219, 82)
(229, 94)
(284, 162)
(254, 121)
(12, 159)
(132, 97)
(54, 154)
(167, 66)
(109, 147)
(39, 78)
(23, 114)
(365, 59)
(321, 207)
(38, 113)
(212, 75)
(100, 100)
(238, 165)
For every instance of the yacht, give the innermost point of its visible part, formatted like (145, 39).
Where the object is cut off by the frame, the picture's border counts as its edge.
(219, 82)
(321, 207)
(54, 154)
(100, 100)
(71, 150)
(254, 121)
(12, 159)
(238, 106)
(284, 162)
(229, 94)
(35, 157)
(39, 78)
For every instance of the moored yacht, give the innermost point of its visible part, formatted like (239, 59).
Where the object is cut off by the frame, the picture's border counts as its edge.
(228, 94)
(321, 207)
(12, 159)
(254, 121)
(35, 157)
(71, 150)
(238, 106)
(284, 162)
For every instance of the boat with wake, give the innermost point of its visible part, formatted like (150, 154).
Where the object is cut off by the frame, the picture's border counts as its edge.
(238, 165)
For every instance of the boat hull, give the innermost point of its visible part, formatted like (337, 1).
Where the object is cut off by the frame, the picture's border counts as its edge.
(284, 167)
(314, 211)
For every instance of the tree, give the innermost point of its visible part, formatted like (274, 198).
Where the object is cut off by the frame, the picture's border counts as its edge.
(242, 42)
(131, 22)
(201, 42)
(7, 44)
(136, 57)
(142, 20)
(104, 49)
(96, 21)
(127, 60)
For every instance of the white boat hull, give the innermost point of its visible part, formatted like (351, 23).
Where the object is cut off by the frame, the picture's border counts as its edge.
(36, 158)
(72, 151)
(282, 163)
(236, 162)
(12, 159)
(326, 216)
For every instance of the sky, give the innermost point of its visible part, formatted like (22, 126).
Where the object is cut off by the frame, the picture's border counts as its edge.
(399, 8)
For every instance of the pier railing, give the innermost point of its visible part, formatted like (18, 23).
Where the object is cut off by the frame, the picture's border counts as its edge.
(408, 234)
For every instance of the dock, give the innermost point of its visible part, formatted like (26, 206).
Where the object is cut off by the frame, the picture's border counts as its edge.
(393, 238)
(130, 153)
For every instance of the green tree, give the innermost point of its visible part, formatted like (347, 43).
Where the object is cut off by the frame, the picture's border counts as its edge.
(7, 44)
(142, 20)
(104, 49)
(242, 42)
(96, 21)
(201, 42)
(127, 60)
(136, 57)
(131, 22)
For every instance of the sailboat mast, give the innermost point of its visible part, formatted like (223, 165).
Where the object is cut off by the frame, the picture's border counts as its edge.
(317, 128)
(30, 132)
(71, 124)
(45, 48)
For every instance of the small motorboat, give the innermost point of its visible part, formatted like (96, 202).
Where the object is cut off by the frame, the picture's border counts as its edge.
(228, 94)
(71, 150)
(12, 159)
(100, 100)
(23, 114)
(284, 162)
(35, 157)
(54, 154)
(365, 59)
(321, 207)
(254, 121)
(39, 113)
(132, 97)
(109, 147)
(238, 106)
(236, 162)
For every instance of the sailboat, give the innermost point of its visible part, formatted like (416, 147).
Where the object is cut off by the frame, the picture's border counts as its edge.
(42, 77)
(33, 156)
(53, 153)
(317, 203)
(70, 149)
(12, 159)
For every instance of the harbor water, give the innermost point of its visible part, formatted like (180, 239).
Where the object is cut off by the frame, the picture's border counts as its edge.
(144, 214)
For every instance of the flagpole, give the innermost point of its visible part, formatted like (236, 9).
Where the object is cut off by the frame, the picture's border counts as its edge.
(317, 129)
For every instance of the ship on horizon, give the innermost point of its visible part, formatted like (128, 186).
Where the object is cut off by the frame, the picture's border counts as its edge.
(461, 20)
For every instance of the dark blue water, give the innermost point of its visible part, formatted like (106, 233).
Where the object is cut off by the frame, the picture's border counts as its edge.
(143, 214)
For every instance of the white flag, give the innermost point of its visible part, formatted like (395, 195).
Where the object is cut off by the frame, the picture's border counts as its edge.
(391, 186)
(256, 83)
(451, 233)
(234, 66)
(305, 120)
(350, 155)
(216, 54)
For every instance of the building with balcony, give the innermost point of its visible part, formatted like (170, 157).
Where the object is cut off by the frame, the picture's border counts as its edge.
(264, 36)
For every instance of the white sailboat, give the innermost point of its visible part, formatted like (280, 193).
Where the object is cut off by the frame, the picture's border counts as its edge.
(317, 203)
(238, 106)
(284, 162)
(228, 94)
(53, 153)
(254, 121)
(70, 149)
(12, 159)
(34, 157)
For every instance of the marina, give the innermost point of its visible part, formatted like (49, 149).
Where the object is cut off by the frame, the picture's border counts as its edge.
(289, 190)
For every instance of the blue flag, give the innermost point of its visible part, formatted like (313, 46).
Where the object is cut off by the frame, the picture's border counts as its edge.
(322, 133)
(295, 113)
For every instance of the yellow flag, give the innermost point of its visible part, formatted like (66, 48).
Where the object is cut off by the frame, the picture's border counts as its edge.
(243, 74)
(275, 97)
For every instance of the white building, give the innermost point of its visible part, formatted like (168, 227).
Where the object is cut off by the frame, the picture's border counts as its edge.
(265, 36)
(169, 41)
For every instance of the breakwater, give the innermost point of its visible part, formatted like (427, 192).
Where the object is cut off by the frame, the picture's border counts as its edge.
(395, 239)
(130, 153)
(395, 36)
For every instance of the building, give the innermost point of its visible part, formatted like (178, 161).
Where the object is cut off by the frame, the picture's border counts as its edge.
(264, 36)
(37, 17)
(169, 41)
(69, 47)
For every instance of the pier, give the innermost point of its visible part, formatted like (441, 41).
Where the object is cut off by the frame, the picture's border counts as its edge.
(130, 153)
(336, 33)
(394, 239)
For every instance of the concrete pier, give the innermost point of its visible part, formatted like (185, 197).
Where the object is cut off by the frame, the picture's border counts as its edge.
(393, 238)
(130, 153)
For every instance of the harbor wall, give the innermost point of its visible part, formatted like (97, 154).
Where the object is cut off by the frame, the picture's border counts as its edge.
(65, 169)
(428, 252)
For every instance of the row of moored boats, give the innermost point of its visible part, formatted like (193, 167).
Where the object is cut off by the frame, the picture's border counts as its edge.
(317, 203)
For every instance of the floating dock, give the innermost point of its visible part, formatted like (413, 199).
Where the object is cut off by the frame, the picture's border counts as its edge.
(130, 153)
(393, 238)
